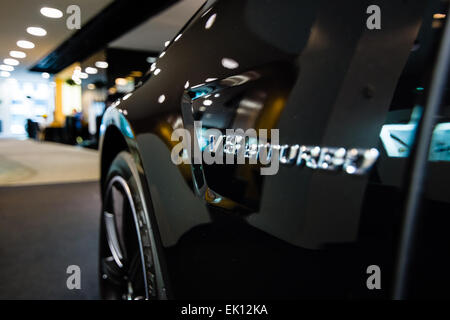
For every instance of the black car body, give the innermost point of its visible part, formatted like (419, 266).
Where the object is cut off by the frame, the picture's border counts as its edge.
(316, 72)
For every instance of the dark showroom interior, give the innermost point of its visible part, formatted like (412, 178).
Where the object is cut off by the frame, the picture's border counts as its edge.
(224, 150)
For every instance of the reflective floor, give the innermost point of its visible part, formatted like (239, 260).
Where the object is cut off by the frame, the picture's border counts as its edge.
(48, 220)
(26, 162)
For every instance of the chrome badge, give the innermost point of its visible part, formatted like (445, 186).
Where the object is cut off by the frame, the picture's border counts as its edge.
(211, 146)
(355, 161)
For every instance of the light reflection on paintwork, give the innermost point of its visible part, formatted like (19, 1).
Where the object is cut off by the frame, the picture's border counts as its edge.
(229, 63)
(209, 23)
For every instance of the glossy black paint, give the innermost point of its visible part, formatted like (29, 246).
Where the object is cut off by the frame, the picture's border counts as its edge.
(312, 70)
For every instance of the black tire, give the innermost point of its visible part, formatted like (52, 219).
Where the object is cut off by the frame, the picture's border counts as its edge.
(128, 265)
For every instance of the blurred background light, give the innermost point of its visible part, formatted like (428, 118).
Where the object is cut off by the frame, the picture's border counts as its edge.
(11, 62)
(25, 44)
(51, 12)
(17, 54)
(37, 31)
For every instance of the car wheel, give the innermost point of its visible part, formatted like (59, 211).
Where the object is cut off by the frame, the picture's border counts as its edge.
(127, 246)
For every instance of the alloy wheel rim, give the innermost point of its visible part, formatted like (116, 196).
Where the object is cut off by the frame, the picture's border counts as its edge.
(122, 264)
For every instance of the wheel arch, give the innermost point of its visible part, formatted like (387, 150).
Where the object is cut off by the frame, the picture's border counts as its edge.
(116, 135)
(112, 143)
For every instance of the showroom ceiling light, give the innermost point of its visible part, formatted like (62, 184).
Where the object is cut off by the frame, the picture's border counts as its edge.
(76, 80)
(37, 31)
(51, 12)
(91, 70)
(161, 98)
(11, 62)
(4, 67)
(17, 54)
(45, 75)
(25, 44)
(101, 64)
(5, 74)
